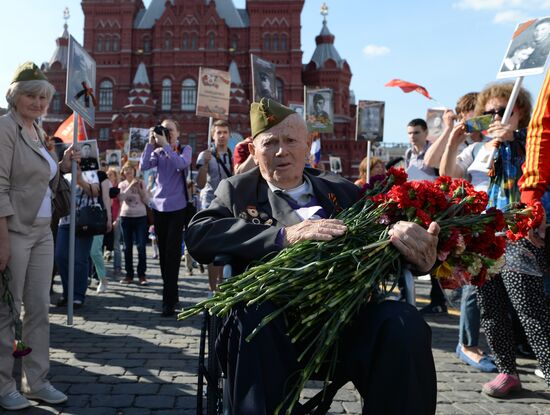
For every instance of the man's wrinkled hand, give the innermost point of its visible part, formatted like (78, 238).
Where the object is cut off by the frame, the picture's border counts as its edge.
(315, 230)
(416, 244)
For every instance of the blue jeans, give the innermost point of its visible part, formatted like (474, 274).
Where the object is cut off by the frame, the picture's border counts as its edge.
(117, 234)
(134, 229)
(82, 249)
(469, 317)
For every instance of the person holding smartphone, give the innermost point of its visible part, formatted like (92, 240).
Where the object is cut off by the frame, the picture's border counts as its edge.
(213, 165)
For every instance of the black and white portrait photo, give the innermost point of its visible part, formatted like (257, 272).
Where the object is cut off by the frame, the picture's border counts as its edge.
(81, 71)
(434, 119)
(335, 164)
(113, 158)
(528, 50)
(370, 123)
(263, 79)
(89, 155)
(137, 141)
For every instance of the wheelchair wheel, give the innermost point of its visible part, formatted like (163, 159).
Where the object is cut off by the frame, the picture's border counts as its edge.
(214, 391)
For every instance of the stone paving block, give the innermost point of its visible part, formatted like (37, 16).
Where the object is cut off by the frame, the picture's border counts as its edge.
(112, 400)
(155, 401)
(89, 411)
(509, 408)
(98, 388)
(136, 388)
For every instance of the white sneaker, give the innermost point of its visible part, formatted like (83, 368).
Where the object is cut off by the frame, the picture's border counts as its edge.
(14, 401)
(48, 394)
(102, 287)
(539, 373)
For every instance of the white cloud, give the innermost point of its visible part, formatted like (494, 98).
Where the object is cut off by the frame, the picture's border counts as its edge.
(375, 50)
(509, 16)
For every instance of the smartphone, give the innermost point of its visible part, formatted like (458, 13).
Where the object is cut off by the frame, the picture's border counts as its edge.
(480, 123)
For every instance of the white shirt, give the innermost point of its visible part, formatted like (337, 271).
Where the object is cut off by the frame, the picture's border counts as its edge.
(45, 210)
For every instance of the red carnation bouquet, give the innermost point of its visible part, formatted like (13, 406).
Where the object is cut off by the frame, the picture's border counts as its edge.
(319, 286)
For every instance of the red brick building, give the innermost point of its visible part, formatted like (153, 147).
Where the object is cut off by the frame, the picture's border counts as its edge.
(148, 61)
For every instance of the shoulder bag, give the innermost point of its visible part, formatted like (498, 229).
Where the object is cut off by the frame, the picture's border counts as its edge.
(91, 219)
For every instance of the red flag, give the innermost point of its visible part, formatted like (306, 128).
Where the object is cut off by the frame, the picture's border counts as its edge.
(65, 130)
(409, 87)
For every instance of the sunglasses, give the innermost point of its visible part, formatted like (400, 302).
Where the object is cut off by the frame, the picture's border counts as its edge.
(497, 111)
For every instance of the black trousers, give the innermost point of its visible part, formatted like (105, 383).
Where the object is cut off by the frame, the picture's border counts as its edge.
(169, 230)
(385, 352)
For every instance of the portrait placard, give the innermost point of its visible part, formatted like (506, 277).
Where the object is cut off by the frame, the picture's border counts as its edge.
(298, 107)
(89, 155)
(370, 123)
(81, 92)
(319, 110)
(434, 119)
(335, 164)
(113, 158)
(137, 141)
(528, 49)
(263, 79)
(213, 93)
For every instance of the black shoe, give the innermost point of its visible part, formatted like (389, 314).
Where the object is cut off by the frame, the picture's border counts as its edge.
(62, 302)
(434, 309)
(168, 311)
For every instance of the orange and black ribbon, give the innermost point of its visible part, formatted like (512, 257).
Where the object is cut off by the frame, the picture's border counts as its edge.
(88, 93)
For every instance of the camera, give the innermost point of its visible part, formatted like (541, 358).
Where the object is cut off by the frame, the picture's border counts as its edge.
(160, 130)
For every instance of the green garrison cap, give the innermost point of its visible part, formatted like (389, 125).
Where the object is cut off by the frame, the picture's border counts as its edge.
(266, 114)
(28, 72)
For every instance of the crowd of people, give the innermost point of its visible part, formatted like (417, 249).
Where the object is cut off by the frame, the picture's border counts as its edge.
(252, 202)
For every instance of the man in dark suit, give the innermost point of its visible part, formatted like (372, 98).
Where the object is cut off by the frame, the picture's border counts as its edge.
(386, 352)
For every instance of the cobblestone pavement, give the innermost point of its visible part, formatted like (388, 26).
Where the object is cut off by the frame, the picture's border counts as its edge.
(122, 358)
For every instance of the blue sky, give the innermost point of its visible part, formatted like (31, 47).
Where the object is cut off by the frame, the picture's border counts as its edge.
(449, 46)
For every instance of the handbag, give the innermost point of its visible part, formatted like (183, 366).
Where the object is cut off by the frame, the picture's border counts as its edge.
(91, 219)
(62, 199)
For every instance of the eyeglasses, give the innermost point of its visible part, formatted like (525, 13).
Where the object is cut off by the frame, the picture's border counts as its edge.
(497, 111)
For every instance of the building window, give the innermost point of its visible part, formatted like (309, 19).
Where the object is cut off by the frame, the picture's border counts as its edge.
(99, 46)
(188, 95)
(275, 42)
(185, 41)
(168, 42)
(267, 42)
(166, 99)
(107, 44)
(106, 96)
(280, 90)
(56, 103)
(116, 44)
(211, 40)
(192, 141)
(146, 44)
(284, 44)
(234, 43)
(104, 134)
(194, 41)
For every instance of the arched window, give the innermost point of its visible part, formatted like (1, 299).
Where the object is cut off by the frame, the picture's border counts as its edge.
(166, 98)
(106, 96)
(108, 44)
(275, 42)
(56, 103)
(188, 95)
(280, 90)
(284, 44)
(116, 44)
(194, 41)
(168, 41)
(147, 44)
(211, 40)
(234, 43)
(185, 41)
(267, 41)
(99, 46)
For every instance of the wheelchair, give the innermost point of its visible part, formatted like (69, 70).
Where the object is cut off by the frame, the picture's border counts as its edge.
(210, 373)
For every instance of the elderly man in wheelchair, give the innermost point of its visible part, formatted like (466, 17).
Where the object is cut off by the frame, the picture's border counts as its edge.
(385, 352)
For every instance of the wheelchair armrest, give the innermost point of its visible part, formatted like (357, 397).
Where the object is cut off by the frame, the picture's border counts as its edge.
(223, 259)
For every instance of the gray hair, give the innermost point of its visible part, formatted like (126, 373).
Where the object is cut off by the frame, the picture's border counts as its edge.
(37, 87)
